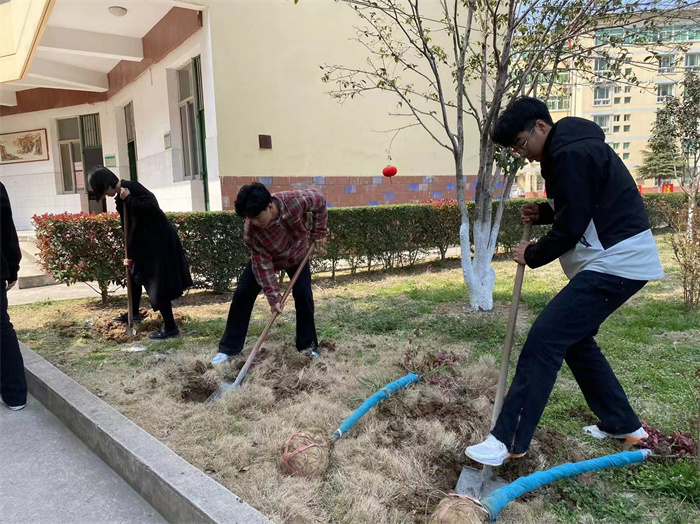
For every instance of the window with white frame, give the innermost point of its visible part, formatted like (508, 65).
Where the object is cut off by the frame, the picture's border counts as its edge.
(601, 96)
(70, 151)
(692, 62)
(603, 121)
(625, 145)
(601, 65)
(667, 64)
(628, 117)
(189, 101)
(663, 93)
(558, 102)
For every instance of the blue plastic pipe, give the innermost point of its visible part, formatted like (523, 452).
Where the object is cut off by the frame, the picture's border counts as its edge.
(500, 498)
(372, 401)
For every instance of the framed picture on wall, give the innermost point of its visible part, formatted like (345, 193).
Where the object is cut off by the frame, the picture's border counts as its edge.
(24, 146)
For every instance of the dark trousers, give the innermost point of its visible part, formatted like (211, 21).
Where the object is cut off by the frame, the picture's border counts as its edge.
(13, 385)
(564, 331)
(166, 309)
(241, 308)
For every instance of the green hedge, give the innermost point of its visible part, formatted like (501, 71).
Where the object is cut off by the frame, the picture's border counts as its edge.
(85, 248)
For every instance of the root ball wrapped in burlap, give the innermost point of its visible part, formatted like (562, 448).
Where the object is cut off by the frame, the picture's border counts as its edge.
(305, 456)
(458, 509)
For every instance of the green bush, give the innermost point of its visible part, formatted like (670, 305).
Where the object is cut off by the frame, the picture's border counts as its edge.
(82, 248)
(213, 243)
(86, 248)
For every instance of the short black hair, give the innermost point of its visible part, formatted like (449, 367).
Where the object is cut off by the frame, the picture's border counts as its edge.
(100, 179)
(520, 115)
(252, 200)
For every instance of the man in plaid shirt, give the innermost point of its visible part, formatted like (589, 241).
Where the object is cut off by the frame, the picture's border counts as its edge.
(275, 232)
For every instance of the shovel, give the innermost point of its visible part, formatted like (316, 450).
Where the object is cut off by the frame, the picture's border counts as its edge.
(474, 482)
(130, 330)
(228, 386)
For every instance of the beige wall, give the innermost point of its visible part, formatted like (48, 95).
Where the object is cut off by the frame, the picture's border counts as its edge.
(267, 80)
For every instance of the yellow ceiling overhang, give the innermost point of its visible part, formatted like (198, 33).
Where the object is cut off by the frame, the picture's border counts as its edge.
(22, 23)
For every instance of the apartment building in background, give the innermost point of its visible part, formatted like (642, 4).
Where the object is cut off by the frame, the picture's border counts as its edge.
(623, 110)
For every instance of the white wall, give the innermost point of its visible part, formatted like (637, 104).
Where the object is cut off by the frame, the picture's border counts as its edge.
(35, 188)
(154, 98)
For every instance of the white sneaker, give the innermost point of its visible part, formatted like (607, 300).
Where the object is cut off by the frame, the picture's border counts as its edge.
(597, 433)
(491, 452)
(13, 408)
(220, 358)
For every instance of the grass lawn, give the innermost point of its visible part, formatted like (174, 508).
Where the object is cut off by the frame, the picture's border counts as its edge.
(404, 456)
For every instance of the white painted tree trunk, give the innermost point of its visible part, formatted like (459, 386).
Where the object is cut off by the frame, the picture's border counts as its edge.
(478, 274)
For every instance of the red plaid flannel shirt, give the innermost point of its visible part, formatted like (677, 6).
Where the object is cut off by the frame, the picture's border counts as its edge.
(285, 242)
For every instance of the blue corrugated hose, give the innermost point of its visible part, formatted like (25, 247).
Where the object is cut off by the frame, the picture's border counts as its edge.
(375, 399)
(500, 498)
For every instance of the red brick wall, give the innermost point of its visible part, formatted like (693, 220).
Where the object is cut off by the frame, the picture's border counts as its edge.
(343, 191)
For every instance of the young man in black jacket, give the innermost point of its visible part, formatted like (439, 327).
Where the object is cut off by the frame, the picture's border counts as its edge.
(602, 238)
(13, 385)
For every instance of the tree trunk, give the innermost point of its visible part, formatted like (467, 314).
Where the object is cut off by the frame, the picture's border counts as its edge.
(478, 274)
(104, 291)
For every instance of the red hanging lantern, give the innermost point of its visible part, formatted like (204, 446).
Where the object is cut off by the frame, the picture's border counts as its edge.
(389, 171)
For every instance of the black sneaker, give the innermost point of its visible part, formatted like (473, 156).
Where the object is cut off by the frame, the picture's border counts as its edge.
(163, 334)
(124, 318)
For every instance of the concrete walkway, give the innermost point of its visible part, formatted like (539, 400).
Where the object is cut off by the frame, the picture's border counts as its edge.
(47, 475)
(18, 297)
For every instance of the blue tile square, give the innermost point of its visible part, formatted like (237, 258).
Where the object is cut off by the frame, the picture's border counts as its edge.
(472, 185)
(427, 179)
(437, 194)
(413, 187)
(350, 189)
(499, 185)
(373, 203)
(329, 204)
(320, 180)
(450, 186)
(266, 180)
(377, 180)
(389, 196)
(497, 197)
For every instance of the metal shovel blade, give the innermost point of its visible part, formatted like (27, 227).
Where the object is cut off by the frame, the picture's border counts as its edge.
(478, 483)
(224, 388)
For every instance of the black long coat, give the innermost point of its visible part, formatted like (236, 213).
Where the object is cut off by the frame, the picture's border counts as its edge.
(159, 262)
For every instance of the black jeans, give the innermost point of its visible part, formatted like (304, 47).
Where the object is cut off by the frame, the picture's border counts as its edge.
(241, 308)
(564, 330)
(166, 309)
(13, 384)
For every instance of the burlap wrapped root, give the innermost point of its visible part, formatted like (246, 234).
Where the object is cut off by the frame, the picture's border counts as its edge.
(458, 509)
(305, 455)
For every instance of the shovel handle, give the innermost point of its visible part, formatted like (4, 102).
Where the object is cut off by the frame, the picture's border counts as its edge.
(510, 333)
(258, 345)
(129, 292)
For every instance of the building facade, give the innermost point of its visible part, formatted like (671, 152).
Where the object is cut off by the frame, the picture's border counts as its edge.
(195, 99)
(624, 110)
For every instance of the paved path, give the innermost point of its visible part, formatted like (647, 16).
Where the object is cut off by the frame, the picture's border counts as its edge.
(48, 476)
(16, 297)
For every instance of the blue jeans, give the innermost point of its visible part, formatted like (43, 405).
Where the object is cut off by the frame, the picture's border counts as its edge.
(564, 330)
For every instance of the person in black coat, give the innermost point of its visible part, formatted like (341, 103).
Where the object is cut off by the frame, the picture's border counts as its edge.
(13, 384)
(157, 261)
